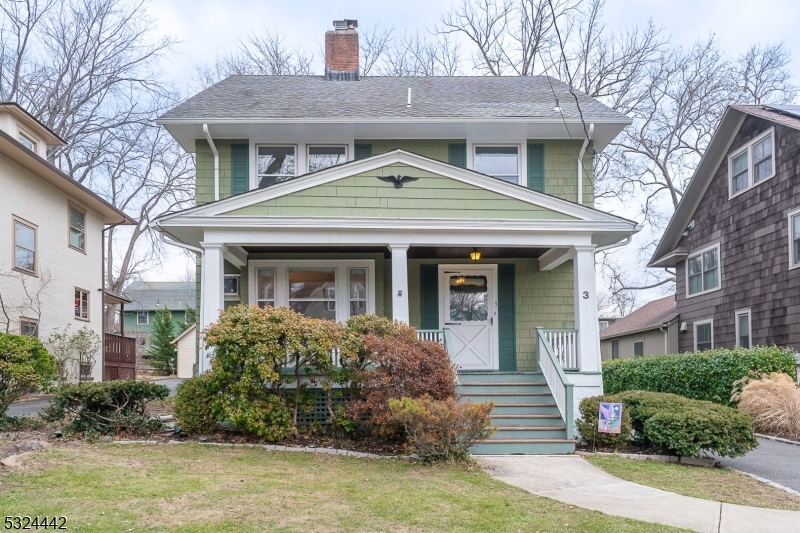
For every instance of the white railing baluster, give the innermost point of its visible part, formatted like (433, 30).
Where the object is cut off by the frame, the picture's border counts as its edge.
(564, 343)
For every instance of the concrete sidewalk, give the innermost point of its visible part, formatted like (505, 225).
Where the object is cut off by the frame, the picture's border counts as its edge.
(571, 479)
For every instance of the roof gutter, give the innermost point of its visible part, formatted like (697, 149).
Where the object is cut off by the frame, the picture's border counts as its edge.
(216, 161)
(162, 234)
(628, 240)
(580, 161)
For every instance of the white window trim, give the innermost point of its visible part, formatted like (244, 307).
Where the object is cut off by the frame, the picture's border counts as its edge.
(634, 348)
(325, 145)
(736, 315)
(702, 323)
(750, 166)
(719, 269)
(297, 159)
(88, 316)
(31, 138)
(231, 296)
(342, 267)
(793, 213)
(521, 158)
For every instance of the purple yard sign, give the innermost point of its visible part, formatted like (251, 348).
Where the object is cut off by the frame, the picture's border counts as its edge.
(610, 420)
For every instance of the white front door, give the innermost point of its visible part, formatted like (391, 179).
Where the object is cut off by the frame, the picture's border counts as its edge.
(468, 308)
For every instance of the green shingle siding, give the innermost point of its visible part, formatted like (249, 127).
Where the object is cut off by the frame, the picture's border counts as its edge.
(204, 161)
(561, 169)
(361, 150)
(434, 148)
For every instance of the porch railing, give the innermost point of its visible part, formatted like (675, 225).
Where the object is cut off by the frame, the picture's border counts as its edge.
(564, 343)
(442, 336)
(560, 387)
(119, 357)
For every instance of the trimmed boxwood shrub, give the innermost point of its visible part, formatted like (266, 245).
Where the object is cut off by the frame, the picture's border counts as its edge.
(195, 409)
(587, 425)
(705, 375)
(683, 426)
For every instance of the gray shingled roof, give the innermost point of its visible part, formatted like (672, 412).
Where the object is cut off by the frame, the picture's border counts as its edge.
(152, 295)
(314, 97)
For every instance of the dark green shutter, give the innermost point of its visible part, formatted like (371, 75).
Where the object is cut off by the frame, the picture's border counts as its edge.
(536, 167)
(506, 325)
(429, 296)
(240, 168)
(362, 151)
(457, 155)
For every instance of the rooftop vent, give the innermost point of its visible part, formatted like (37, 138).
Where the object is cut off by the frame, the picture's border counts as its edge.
(341, 51)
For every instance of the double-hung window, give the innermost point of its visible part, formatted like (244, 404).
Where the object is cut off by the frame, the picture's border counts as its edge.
(142, 317)
(498, 161)
(743, 335)
(615, 349)
(704, 335)
(752, 163)
(702, 272)
(638, 348)
(77, 229)
(29, 327)
(321, 157)
(24, 246)
(81, 304)
(275, 164)
(327, 289)
(794, 239)
(27, 142)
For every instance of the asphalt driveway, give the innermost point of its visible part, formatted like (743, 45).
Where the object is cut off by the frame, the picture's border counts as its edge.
(775, 461)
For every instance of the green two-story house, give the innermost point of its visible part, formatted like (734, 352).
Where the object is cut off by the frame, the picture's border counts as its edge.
(462, 206)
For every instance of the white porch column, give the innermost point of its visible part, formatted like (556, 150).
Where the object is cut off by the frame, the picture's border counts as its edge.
(400, 282)
(212, 296)
(586, 309)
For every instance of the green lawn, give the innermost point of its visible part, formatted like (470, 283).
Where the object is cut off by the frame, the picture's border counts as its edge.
(192, 487)
(715, 484)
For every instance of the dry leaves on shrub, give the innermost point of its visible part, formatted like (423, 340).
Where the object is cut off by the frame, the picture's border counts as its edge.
(773, 401)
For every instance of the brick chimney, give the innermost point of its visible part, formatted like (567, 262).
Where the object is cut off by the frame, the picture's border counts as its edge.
(341, 51)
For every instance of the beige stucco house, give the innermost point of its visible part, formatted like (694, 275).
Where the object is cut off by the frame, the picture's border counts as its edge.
(51, 234)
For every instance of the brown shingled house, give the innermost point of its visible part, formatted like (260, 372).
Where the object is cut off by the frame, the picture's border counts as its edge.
(650, 330)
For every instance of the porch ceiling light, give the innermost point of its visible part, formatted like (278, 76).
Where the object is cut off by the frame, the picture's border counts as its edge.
(475, 255)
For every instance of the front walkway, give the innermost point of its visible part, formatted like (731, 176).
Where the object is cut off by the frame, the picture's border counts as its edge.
(571, 479)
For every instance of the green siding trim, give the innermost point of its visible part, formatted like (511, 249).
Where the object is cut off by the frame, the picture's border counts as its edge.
(438, 149)
(506, 319)
(361, 151)
(561, 169)
(433, 195)
(536, 167)
(457, 154)
(204, 169)
(240, 168)
(429, 296)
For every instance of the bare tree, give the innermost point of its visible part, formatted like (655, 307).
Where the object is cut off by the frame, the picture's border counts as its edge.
(764, 76)
(374, 42)
(421, 55)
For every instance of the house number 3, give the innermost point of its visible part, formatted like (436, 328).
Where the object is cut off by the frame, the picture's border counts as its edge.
(585, 295)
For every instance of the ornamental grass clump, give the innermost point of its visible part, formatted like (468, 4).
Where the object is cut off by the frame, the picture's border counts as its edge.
(773, 402)
(443, 430)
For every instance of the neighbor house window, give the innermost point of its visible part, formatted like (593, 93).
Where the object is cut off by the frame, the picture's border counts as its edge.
(603, 324)
(24, 246)
(275, 164)
(77, 229)
(743, 338)
(498, 161)
(321, 157)
(142, 317)
(27, 142)
(703, 335)
(615, 349)
(29, 327)
(794, 239)
(313, 292)
(231, 285)
(81, 304)
(703, 271)
(753, 163)
(328, 289)
(638, 348)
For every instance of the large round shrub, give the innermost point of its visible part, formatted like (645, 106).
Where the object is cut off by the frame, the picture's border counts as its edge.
(587, 425)
(25, 367)
(708, 375)
(195, 405)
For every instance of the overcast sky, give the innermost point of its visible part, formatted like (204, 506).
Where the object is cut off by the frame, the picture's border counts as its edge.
(207, 28)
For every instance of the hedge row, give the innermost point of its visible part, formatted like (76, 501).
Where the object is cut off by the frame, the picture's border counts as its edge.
(675, 424)
(707, 375)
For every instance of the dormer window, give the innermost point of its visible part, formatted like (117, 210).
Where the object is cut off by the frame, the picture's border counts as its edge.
(753, 163)
(275, 164)
(27, 142)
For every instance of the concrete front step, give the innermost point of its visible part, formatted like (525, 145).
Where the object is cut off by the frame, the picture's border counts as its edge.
(518, 420)
(521, 387)
(530, 432)
(499, 377)
(524, 447)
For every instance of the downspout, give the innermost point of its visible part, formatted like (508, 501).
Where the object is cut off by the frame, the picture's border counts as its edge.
(666, 336)
(216, 160)
(580, 161)
(171, 242)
